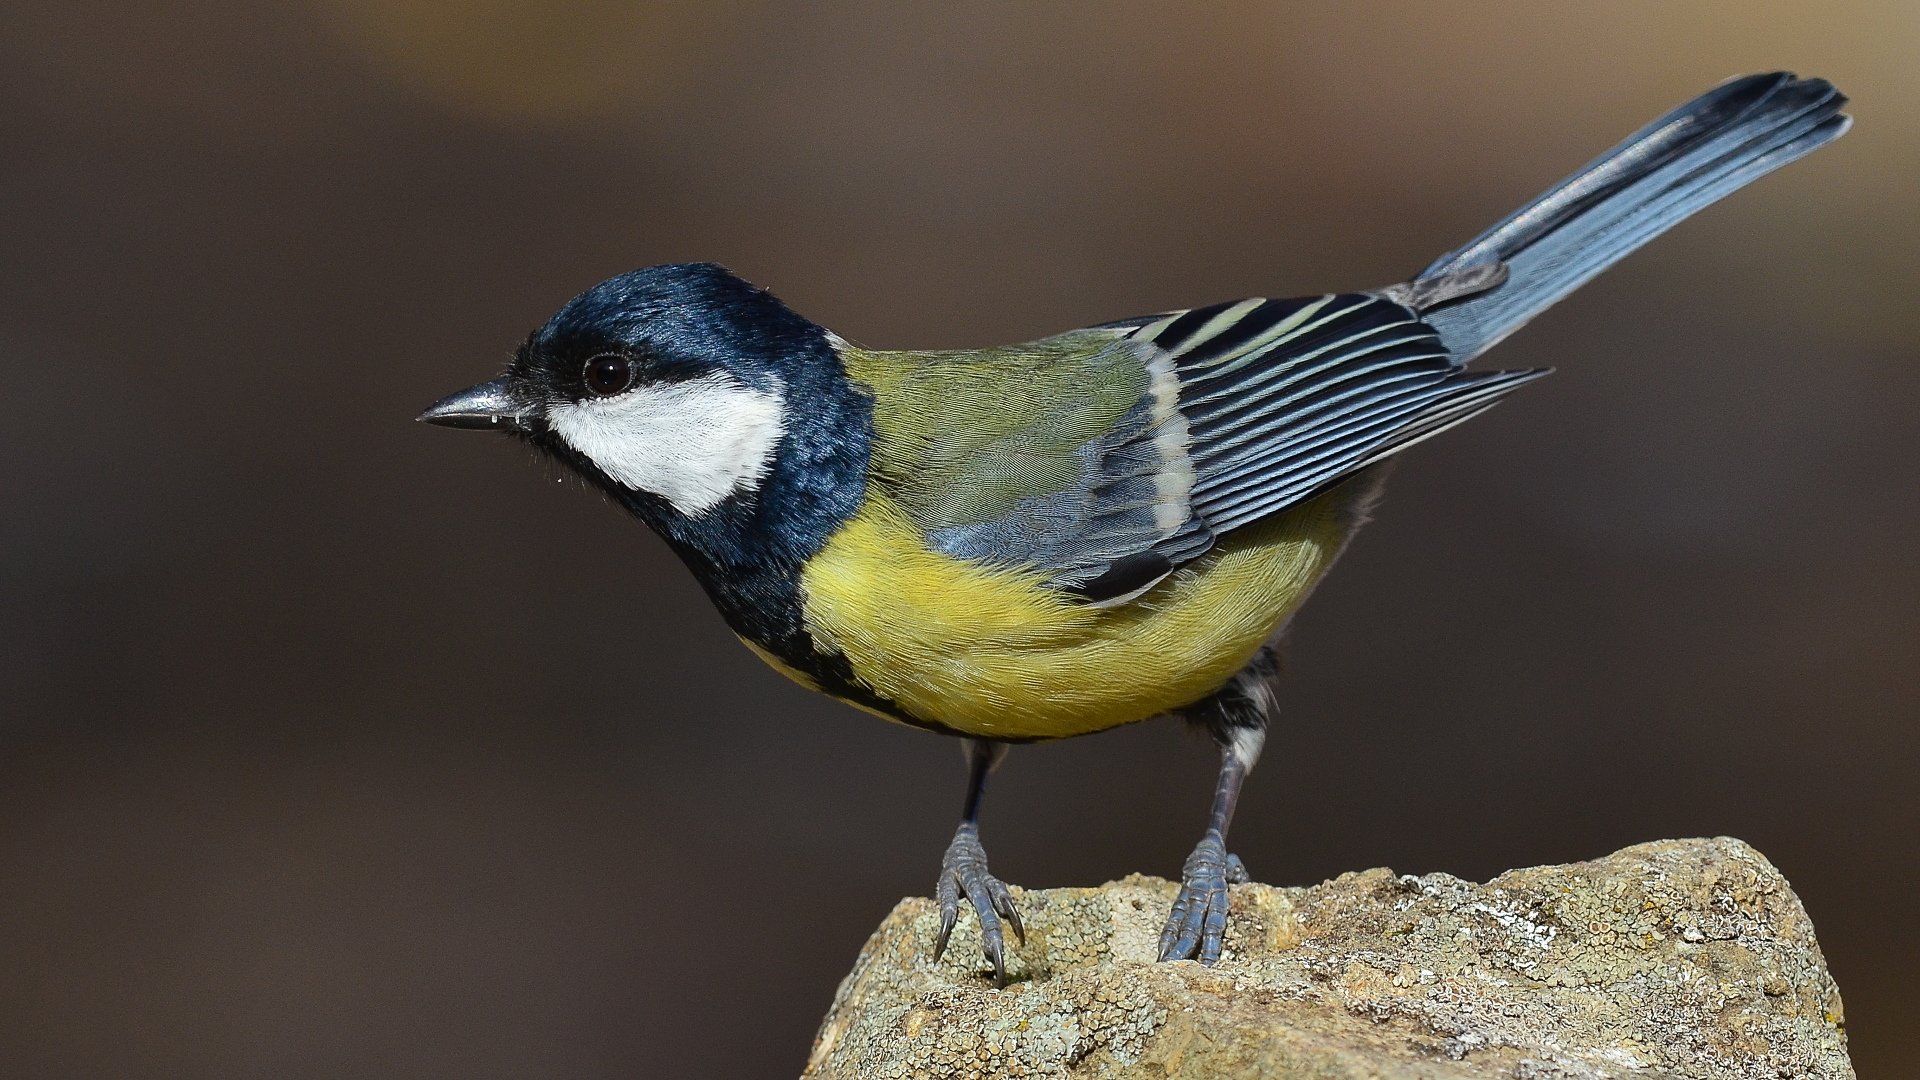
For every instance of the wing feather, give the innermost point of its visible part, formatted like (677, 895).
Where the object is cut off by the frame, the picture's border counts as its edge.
(1233, 412)
(1317, 389)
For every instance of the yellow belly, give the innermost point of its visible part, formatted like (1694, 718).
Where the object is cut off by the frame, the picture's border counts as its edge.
(994, 653)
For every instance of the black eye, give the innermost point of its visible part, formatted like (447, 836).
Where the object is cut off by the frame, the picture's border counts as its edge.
(609, 374)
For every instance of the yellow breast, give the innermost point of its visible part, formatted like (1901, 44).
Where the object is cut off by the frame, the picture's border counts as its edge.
(996, 654)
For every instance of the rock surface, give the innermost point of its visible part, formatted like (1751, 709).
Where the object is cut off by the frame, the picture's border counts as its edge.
(1681, 958)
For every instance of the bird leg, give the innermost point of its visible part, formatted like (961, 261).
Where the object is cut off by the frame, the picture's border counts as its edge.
(1199, 916)
(1237, 718)
(963, 870)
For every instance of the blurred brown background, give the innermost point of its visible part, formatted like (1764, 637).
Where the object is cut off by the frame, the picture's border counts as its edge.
(339, 747)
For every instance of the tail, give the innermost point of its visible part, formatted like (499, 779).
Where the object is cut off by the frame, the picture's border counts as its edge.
(1696, 154)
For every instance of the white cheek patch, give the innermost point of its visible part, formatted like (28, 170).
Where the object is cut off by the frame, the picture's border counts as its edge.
(693, 443)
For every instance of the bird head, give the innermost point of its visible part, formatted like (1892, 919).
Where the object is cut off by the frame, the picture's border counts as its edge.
(673, 382)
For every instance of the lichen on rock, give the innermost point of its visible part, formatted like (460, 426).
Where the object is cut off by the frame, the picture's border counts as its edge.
(1676, 959)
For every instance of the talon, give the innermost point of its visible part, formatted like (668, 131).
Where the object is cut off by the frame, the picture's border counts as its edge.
(947, 919)
(948, 896)
(963, 871)
(1003, 903)
(1198, 920)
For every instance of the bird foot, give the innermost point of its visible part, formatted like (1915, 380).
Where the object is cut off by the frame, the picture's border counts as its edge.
(1199, 916)
(963, 870)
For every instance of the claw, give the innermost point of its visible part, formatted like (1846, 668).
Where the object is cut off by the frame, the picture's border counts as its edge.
(1198, 920)
(990, 936)
(963, 870)
(949, 899)
(1003, 903)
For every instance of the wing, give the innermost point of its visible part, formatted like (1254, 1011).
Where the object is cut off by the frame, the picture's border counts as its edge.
(1104, 458)
(1284, 397)
(1060, 455)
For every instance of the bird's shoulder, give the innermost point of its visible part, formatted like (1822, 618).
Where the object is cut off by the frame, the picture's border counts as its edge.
(1040, 454)
(944, 419)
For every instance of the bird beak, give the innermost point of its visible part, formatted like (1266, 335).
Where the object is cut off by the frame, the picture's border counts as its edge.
(490, 406)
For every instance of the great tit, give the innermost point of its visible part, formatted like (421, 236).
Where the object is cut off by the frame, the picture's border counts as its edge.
(1062, 536)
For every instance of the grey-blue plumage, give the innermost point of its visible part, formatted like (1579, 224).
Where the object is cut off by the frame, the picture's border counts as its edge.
(1696, 154)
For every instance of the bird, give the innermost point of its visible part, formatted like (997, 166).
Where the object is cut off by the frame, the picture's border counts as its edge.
(1058, 537)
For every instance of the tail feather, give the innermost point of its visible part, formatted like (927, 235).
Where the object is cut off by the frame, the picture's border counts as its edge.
(1673, 167)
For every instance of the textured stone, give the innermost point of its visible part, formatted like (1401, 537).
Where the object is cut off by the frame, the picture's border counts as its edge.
(1681, 958)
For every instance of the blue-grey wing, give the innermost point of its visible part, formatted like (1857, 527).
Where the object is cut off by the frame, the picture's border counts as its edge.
(1285, 397)
(1246, 408)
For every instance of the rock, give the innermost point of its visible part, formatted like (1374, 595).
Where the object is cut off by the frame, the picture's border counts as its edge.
(1681, 958)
